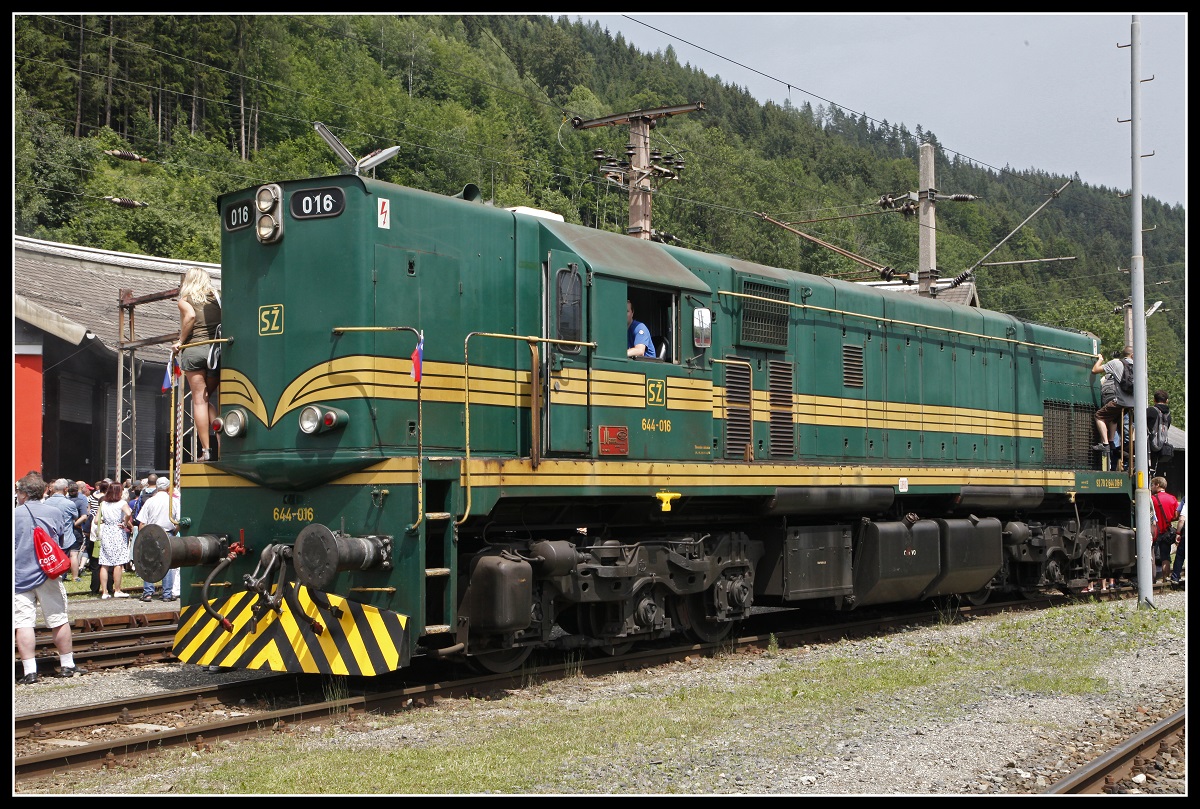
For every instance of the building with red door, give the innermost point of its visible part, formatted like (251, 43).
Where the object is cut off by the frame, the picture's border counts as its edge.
(78, 383)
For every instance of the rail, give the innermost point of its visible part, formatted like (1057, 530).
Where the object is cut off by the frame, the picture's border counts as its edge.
(1091, 778)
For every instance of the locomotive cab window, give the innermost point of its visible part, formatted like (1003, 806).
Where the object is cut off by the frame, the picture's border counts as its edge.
(568, 287)
(658, 312)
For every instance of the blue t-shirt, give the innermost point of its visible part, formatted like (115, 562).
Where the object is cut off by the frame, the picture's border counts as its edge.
(70, 511)
(640, 335)
(27, 573)
(81, 503)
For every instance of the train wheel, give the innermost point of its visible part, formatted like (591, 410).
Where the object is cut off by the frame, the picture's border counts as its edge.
(592, 620)
(501, 662)
(693, 614)
(979, 597)
(568, 619)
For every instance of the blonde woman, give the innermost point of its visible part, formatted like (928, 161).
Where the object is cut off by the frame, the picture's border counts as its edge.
(199, 317)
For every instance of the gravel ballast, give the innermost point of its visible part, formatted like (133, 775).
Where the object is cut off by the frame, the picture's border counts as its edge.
(999, 740)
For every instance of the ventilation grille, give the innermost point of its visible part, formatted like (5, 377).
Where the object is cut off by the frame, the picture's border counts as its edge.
(1067, 435)
(852, 366)
(783, 433)
(738, 435)
(764, 323)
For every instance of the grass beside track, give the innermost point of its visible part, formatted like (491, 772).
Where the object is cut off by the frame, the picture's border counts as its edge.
(552, 738)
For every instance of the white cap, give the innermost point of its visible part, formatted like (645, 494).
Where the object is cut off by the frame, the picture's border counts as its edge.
(163, 483)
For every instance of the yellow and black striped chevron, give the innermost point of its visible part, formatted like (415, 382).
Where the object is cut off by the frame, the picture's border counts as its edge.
(317, 633)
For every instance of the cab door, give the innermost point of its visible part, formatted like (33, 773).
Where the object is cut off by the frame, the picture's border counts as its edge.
(566, 428)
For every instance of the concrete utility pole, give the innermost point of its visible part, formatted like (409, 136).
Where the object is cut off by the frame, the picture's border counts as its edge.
(924, 203)
(1141, 457)
(642, 165)
(927, 224)
(1126, 309)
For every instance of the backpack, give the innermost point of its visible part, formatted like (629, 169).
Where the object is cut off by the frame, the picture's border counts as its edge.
(1158, 430)
(1125, 383)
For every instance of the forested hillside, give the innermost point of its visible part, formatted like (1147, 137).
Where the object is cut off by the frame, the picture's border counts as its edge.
(211, 104)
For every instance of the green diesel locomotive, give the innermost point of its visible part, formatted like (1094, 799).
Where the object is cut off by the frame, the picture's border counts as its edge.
(432, 442)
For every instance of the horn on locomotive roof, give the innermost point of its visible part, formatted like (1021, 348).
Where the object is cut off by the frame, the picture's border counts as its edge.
(370, 161)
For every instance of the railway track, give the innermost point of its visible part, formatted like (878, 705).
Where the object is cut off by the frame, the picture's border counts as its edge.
(1159, 752)
(58, 741)
(136, 639)
(54, 742)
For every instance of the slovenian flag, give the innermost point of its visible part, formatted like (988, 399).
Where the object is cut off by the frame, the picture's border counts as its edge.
(168, 382)
(418, 357)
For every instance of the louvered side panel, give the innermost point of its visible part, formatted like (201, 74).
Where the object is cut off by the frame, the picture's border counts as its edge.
(783, 431)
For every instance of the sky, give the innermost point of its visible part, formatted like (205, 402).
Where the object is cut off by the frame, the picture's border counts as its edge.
(1026, 91)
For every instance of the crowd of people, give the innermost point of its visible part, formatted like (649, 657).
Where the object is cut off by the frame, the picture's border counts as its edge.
(102, 521)
(97, 526)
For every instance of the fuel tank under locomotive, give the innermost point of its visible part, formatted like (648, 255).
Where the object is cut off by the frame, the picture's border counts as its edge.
(882, 562)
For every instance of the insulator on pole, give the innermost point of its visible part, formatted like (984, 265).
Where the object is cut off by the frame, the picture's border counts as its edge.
(958, 197)
(124, 155)
(959, 279)
(121, 202)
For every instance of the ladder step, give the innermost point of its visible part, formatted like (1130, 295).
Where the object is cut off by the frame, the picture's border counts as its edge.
(436, 629)
(433, 572)
(437, 515)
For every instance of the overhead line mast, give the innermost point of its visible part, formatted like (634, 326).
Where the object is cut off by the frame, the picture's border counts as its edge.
(642, 165)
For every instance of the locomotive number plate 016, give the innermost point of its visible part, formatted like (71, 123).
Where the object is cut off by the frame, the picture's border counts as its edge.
(314, 203)
(238, 216)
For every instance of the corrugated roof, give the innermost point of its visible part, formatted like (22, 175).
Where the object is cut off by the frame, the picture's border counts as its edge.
(1177, 437)
(69, 291)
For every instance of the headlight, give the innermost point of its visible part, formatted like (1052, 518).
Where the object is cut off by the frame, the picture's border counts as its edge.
(234, 423)
(267, 227)
(315, 419)
(310, 419)
(268, 223)
(266, 198)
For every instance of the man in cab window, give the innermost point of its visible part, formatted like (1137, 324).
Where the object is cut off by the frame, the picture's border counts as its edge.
(640, 344)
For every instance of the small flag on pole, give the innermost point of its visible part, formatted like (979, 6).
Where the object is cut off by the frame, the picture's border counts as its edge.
(418, 357)
(168, 381)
